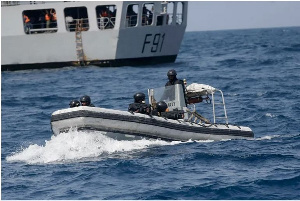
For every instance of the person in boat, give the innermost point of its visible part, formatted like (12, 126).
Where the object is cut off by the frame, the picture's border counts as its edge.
(162, 110)
(74, 103)
(86, 101)
(160, 107)
(139, 105)
(173, 80)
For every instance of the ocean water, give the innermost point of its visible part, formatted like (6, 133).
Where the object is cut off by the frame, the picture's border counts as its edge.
(259, 73)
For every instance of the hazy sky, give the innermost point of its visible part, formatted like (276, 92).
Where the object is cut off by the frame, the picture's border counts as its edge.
(219, 15)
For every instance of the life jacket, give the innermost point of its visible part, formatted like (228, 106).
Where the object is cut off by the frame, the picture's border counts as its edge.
(104, 14)
(26, 19)
(47, 17)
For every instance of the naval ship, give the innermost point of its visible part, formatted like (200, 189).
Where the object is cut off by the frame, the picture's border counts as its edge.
(52, 34)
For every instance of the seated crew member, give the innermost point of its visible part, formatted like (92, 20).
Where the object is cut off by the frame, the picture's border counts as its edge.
(139, 105)
(161, 106)
(162, 110)
(86, 101)
(74, 103)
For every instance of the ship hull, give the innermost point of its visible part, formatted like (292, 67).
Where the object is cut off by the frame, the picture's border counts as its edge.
(103, 63)
(119, 46)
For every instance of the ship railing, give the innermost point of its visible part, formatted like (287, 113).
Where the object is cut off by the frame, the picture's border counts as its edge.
(169, 18)
(106, 22)
(40, 27)
(131, 20)
(78, 25)
(44, 30)
(179, 19)
(147, 20)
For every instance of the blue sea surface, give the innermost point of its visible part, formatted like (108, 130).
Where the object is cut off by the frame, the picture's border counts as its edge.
(259, 73)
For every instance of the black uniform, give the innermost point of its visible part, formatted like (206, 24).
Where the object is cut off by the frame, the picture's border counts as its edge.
(140, 108)
(176, 81)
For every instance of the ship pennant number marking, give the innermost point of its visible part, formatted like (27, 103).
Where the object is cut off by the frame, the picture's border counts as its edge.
(154, 42)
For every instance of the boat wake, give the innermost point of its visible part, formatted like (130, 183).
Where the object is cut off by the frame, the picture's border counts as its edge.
(267, 137)
(75, 146)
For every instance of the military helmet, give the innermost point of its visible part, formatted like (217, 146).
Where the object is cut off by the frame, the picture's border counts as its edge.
(161, 106)
(74, 103)
(171, 73)
(85, 99)
(139, 97)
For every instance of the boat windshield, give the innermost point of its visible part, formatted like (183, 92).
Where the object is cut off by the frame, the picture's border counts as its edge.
(173, 95)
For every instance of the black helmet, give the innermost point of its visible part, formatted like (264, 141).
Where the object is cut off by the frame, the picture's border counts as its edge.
(171, 72)
(161, 106)
(74, 103)
(139, 97)
(85, 99)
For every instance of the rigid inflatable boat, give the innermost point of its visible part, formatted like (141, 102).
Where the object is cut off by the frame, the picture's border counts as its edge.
(123, 125)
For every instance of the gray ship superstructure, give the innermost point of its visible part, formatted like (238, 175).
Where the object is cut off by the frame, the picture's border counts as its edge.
(39, 34)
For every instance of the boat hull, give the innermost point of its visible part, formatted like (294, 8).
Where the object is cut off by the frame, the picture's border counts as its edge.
(126, 125)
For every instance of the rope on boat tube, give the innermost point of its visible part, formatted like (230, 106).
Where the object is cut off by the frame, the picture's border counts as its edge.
(196, 117)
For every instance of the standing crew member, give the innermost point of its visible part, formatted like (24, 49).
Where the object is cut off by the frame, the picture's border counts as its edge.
(173, 79)
(53, 17)
(27, 23)
(47, 18)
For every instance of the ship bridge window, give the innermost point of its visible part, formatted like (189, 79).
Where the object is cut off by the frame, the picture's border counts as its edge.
(106, 16)
(40, 21)
(76, 19)
(132, 15)
(170, 10)
(179, 13)
(147, 16)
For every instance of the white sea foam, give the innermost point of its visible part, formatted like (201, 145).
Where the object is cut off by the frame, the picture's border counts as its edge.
(79, 145)
(203, 141)
(261, 93)
(270, 115)
(268, 137)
